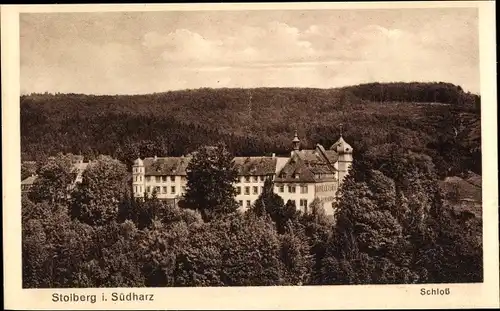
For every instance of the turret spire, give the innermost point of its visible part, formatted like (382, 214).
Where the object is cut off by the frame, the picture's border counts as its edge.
(296, 142)
(341, 125)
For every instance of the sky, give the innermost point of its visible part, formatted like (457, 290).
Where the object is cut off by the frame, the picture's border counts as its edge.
(146, 52)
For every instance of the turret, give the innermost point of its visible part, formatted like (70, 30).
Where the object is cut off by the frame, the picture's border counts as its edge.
(344, 151)
(295, 143)
(138, 180)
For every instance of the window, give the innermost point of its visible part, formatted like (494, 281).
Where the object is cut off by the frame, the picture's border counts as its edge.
(303, 189)
(238, 190)
(248, 203)
(172, 178)
(136, 178)
(256, 178)
(262, 178)
(255, 190)
(247, 178)
(282, 188)
(172, 189)
(140, 178)
(241, 203)
(247, 190)
(148, 178)
(157, 189)
(158, 179)
(164, 178)
(148, 189)
(303, 204)
(291, 189)
(135, 188)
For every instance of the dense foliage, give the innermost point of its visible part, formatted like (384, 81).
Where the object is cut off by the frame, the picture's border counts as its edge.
(437, 119)
(210, 177)
(391, 226)
(394, 222)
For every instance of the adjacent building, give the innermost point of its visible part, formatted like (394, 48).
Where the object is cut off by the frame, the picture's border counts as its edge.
(302, 177)
(79, 166)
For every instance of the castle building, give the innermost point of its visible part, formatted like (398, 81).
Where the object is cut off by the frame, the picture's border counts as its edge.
(302, 177)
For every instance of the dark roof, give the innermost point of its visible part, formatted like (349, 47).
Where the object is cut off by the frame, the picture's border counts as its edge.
(29, 180)
(166, 166)
(295, 170)
(257, 166)
(305, 165)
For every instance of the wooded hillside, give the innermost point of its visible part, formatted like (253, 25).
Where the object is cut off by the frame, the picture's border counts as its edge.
(438, 119)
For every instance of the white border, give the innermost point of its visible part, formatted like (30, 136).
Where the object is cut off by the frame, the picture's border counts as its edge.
(306, 297)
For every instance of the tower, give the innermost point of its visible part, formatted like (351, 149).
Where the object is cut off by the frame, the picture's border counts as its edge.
(295, 143)
(138, 178)
(344, 151)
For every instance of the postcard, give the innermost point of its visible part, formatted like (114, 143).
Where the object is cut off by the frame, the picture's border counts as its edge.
(250, 156)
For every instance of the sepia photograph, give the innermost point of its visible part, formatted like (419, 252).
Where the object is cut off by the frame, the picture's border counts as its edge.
(249, 147)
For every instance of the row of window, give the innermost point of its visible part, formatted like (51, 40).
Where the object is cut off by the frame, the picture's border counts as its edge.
(324, 176)
(255, 190)
(158, 189)
(252, 178)
(302, 202)
(160, 179)
(325, 188)
(292, 189)
(163, 179)
(281, 189)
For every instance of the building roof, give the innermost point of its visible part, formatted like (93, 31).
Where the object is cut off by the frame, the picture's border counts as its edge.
(257, 166)
(76, 158)
(295, 170)
(166, 166)
(308, 165)
(341, 146)
(245, 166)
(29, 180)
(80, 167)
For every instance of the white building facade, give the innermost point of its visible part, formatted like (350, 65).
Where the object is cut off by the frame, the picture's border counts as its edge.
(304, 176)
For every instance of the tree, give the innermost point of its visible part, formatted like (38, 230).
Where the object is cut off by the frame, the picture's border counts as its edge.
(96, 199)
(233, 250)
(270, 204)
(296, 255)
(210, 177)
(54, 180)
(160, 245)
(28, 169)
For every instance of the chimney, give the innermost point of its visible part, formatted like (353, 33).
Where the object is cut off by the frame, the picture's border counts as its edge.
(274, 154)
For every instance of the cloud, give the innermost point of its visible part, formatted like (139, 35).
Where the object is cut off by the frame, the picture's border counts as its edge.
(158, 54)
(275, 43)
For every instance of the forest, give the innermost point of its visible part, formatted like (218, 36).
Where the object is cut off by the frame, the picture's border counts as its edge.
(394, 222)
(392, 225)
(436, 119)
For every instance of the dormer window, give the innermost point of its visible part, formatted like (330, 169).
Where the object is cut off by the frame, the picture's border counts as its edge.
(297, 176)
